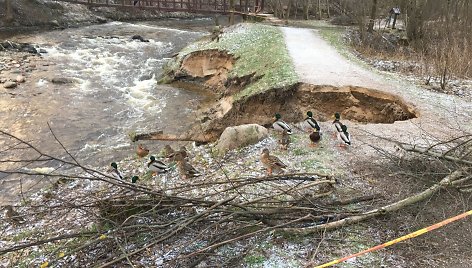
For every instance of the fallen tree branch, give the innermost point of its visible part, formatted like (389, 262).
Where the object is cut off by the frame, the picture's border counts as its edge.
(426, 151)
(161, 136)
(379, 211)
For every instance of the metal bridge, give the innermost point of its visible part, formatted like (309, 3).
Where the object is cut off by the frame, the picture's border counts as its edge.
(190, 6)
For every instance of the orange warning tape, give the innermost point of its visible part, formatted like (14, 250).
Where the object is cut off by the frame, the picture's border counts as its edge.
(405, 237)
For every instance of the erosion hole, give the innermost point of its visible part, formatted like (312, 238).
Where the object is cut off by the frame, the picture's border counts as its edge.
(354, 103)
(211, 66)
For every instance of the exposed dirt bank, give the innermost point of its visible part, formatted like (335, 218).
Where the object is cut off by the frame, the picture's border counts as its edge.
(354, 103)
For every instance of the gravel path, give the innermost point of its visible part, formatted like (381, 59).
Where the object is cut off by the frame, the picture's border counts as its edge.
(316, 62)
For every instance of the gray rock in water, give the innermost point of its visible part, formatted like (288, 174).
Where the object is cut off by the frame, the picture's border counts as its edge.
(240, 136)
(145, 77)
(42, 51)
(140, 38)
(9, 84)
(62, 80)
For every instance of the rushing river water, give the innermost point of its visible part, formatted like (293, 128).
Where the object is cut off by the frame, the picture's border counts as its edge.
(115, 93)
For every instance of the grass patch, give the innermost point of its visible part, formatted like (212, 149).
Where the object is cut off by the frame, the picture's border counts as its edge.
(259, 48)
(254, 260)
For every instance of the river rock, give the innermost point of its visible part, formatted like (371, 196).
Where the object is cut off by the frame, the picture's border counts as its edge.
(140, 38)
(145, 77)
(20, 79)
(3, 80)
(62, 80)
(42, 51)
(9, 84)
(240, 136)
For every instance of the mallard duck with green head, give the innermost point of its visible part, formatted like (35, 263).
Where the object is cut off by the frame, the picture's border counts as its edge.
(315, 138)
(344, 137)
(115, 172)
(156, 166)
(271, 162)
(337, 124)
(134, 179)
(186, 170)
(280, 125)
(310, 123)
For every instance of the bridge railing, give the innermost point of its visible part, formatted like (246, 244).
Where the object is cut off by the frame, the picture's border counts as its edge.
(193, 6)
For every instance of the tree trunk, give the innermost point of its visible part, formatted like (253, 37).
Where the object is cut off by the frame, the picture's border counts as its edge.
(327, 8)
(8, 11)
(319, 9)
(373, 11)
(231, 12)
(305, 9)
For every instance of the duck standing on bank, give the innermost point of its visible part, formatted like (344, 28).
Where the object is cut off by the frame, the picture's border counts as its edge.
(315, 137)
(344, 136)
(271, 162)
(142, 151)
(337, 124)
(280, 125)
(13, 216)
(156, 166)
(168, 152)
(284, 140)
(310, 123)
(186, 170)
(115, 172)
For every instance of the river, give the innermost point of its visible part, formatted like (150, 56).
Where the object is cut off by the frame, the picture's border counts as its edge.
(115, 93)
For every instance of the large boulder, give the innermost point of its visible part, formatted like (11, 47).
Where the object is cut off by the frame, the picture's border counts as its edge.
(9, 84)
(240, 136)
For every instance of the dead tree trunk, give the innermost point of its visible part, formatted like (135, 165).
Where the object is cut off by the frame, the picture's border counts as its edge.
(373, 11)
(9, 12)
(448, 180)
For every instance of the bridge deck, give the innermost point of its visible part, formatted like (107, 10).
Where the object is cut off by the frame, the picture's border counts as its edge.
(191, 6)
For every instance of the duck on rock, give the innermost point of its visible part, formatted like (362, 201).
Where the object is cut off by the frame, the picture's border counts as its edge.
(280, 125)
(156, 166)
